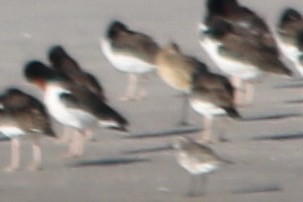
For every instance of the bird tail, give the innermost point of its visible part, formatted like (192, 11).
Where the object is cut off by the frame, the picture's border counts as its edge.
(50, 132)
(232, 112)
(112, 119)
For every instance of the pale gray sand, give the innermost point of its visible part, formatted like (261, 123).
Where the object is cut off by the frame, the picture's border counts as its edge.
(30, 27)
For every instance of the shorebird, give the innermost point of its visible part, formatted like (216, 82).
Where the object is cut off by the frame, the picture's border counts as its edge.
(210, 94)
(197, 159)
(240, 43)
(23, 116)
(289, 33)
(62, 62)
(65, 64)
(130, 52)
(72, 105)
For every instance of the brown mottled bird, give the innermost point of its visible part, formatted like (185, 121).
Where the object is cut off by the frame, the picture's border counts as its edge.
(130, 52)
(210, 94)
(22, 115)
(197, 159)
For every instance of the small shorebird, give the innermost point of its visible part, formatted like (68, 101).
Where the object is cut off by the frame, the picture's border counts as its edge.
(72, 105)
(210, 94)
(65, 64)
(130, 52)
(197, 159)
(290, 31)
(23, 116)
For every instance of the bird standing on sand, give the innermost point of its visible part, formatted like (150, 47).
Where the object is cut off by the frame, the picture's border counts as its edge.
(197, 159)
(62, 62)
(209, 94)
(236, 34)
(21, 116)
(72, 105)
(130, 52)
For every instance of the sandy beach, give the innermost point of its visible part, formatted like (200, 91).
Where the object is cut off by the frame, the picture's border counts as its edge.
(140, 166)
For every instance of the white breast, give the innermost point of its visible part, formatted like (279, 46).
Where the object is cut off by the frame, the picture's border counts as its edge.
(57, 109)
(292, 53)
(11, 131)
(228, 66)
(125, 63)
(206, 108)
(194, 166)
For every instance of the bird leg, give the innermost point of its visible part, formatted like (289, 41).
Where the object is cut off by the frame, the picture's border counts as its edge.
(222, 129)
(192, 186)
(203, 184)
(249, 92)
(239, 93)
(37, 155)
(88, 134)
(142, 92)
(74, 145)
(15, 155)
(207, 130)
(67, 135)
(79, 150)
(184, 110)
(131, 87)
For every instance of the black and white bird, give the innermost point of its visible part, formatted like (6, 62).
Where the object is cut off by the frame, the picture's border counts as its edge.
(240, 43)
(132, 53)
(290, 37)
(199, 160)
(23, 116)
(62, 62)
(72, 105)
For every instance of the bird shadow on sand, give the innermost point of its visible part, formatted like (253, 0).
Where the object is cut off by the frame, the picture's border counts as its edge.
(164, 132)
(109, 161)
(258, 189)
(281, 137)
(151, 149)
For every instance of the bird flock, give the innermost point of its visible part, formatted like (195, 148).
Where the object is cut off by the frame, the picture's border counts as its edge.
(236, 39)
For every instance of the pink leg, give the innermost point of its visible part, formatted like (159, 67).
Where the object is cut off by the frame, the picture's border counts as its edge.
(222, 128)
(239, 96)
(37, 156)
(249, 92)
(15, 155)
(67, 135)
(131, 87)
(142, 88)
(76, 146)
(207, 130)
(79, 149)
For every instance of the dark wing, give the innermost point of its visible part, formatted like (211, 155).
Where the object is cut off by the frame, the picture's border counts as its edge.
(31, 115)
(137, 45)
(61, 61)
(81, 99)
